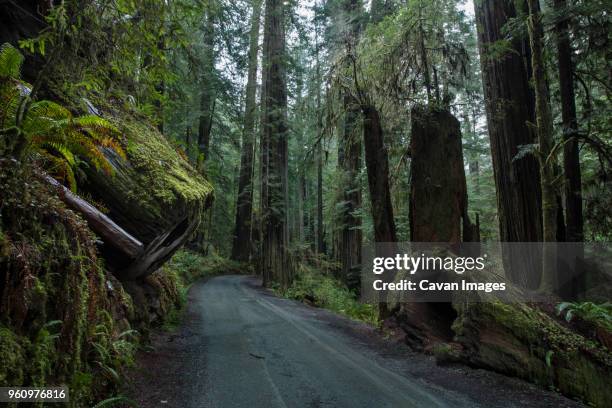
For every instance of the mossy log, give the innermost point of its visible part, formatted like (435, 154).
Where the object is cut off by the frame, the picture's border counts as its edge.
(510, 337)
(155, 195)
(523, 341)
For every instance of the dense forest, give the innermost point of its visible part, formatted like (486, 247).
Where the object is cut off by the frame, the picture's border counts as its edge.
(145, 144)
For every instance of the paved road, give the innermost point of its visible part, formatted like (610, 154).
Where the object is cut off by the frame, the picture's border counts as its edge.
(260, 354)
(243, 347)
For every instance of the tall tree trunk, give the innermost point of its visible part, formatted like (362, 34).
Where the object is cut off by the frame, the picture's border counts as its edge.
(510, 107)
(207, 96)
(438, 211)
(544, 123)
(377, 165)
(275, 262)
(241, 247)
(320, 228)
(571, 158)
(349, 251)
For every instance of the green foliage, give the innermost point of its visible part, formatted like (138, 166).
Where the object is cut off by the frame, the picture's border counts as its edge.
(598, 314)
(113, 350)
(324, 291)
(10, 61)
(51, 131)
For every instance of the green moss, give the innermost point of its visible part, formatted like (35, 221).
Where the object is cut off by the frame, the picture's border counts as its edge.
(13, 357)
(168, 176)
(54, 286)
(523, 341)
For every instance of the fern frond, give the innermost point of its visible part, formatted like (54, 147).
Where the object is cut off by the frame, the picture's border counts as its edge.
(113, 144)
(10, 61)
(9, 103)
(59, 169)
(97, 125)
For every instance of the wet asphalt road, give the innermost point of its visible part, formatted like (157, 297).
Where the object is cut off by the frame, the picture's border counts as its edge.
(241, 346)
(260, 354)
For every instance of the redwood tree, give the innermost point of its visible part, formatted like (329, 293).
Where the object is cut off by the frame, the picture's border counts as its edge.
(571, 158)
(241, 247)
(510, 106)
(274, 262)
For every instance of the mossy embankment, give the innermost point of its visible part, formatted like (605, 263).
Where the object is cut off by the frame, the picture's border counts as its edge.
(65, 318)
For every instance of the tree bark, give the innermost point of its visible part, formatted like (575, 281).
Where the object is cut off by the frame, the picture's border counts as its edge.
(349, 251)
(545, 138)
(571, 157)
(438, 213)
(320, 227)
(241, 248)
(438, 196)
(377, 165)
(348, 241)
(510, 106)
(275, 263)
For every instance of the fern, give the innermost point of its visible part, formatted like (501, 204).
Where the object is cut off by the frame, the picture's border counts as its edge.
(597, 314)
(10, 61)
(52, 132)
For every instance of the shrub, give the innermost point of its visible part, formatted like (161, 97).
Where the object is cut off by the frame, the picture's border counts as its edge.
(327, 292)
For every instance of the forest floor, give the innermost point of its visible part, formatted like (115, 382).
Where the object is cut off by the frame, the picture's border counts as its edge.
(239, 345)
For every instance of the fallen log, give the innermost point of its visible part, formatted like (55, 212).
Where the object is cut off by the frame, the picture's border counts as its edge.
(521, 340)
(98, 222)
(155, 195)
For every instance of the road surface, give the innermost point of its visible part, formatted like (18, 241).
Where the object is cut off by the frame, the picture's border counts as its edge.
(240, 346)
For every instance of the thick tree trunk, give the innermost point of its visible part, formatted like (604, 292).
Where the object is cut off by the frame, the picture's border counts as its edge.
(377, 165)
(241, 248)
(438, 213)
(438, 195)
(510, 107)
(544, 123)
(275, 263)
(571, 158)
(347, 238)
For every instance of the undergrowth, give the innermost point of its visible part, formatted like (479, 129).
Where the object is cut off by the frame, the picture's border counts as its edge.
(322, 290)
